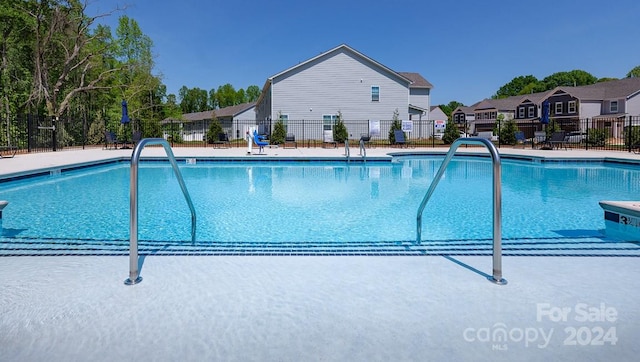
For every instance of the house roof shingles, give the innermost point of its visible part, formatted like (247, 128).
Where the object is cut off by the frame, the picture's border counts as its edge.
(225, 112)
(417, 80)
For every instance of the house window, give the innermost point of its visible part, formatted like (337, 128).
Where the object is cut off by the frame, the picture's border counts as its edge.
(558, 108)
(284, 118)
(328, 120)
(571, 107)
(375, 93)
(520, 112)
(613, 107)
(532, 112)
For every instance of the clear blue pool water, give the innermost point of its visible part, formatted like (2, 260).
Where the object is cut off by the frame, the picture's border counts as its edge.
(315, 202)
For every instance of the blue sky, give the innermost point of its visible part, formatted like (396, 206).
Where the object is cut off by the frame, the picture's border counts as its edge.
(466, 49)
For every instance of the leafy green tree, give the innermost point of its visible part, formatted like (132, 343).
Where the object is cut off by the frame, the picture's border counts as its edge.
(606, 79)
(396, 124)
(253, 93)
(136, 83)
(68, 56)
(15, 60)
(516, 86)
(212, 100)
(226, 96)
(240, 97)
(569, 79)
(450, 107)
(634, 73)
(193, 100)
(451, 132)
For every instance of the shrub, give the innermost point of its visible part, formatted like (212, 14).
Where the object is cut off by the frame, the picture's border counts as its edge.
(395, 125)
(508, 132)
(451, 133)
(632, 137)
(596, 137)
(278, 134)
(340, 133)
(214, 130)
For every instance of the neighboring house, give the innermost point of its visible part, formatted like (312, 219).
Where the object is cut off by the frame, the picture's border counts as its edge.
(347, 82)
(605, 105)
(194, 126)
(487, 112)
(529, 108)
(463, 117)
(439, 121)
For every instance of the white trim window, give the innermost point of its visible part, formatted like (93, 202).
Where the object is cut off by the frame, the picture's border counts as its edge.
(328, 120)
(531, 112)
(571, 107)
(375, 93)
(558, 108)
(520, 112)
(285, 120)
(613, 107)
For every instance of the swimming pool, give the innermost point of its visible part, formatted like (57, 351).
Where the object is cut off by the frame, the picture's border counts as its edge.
(319, 208)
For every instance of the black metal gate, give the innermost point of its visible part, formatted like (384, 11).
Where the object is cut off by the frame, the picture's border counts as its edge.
(41, 133)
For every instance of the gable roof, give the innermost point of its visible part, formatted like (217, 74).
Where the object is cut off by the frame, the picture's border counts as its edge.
(339, 48)
(501, 104)
(417, 80)
(225, 112)
(620, 88)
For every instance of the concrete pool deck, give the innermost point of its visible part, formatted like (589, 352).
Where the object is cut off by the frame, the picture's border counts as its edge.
(308, 308)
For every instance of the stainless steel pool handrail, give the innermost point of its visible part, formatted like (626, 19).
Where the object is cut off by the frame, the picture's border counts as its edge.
(134, 271)
(497, 200)
(363, 149)
(347, 152)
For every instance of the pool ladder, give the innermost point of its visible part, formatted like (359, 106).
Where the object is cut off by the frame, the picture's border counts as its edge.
(134, 270)
(497, 201)
(363, 150)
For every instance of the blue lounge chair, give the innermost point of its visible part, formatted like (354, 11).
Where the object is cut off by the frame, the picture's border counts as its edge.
(259, 141)
(111, 140)
(399, 138)
(520, 139)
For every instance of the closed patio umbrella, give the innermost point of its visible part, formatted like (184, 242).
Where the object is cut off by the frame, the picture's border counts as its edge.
(544, 117)
(125, 113)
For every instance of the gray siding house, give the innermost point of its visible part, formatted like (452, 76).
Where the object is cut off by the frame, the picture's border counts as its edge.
(343, 81)
(194, 126)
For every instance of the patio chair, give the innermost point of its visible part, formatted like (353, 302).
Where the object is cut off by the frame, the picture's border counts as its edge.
(399, 138)
(290, 139)
(327, 139)
(365, 138)
(223, 141)
(520, 139)
(259, 141)
(8, 151)
(136, 137)
(558, 140)
(636, 148)
(111, 142)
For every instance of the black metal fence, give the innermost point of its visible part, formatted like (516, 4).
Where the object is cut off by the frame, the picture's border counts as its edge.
(40, 134)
